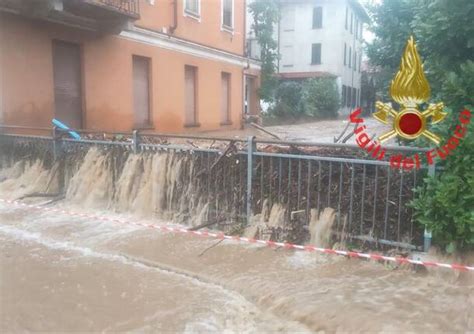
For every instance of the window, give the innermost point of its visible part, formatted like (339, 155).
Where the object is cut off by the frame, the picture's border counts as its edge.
(316, 54)
(360, 62)
(287, 21)
(361, 30)
(192, 7)
(348, 96)
(347, 15)
(190, 95)
(350, 57)
(225, 99)
(317, 17)
(357, 28)
(287, 56)
(228, 14)
(354, 93)
(352, 22)
(355, 61)
(345, 54)
(141, 91)
(343, 95)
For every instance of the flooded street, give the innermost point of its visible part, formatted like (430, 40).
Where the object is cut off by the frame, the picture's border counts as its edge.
(236, 166)
(97, 271)
(60, 273)
(323, 131)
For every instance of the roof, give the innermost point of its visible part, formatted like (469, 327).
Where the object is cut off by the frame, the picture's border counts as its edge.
(305, 75)
(360, 10)
(356, 5)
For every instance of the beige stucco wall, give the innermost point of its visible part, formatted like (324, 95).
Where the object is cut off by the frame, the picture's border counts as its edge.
(205, 30)
(28, 89)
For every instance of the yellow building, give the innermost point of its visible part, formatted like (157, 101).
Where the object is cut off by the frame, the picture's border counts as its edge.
(118, 65)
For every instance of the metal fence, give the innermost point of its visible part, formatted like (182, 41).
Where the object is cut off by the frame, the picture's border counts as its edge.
(241, 177)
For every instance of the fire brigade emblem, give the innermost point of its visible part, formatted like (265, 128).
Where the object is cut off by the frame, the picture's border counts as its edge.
(410, 88)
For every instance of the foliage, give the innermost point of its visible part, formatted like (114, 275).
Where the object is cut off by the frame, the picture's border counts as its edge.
(265, 14)
(445, 204)
(318, 97)
(368, 93)
(288, 100)
(321, 97)
(444, 33)
(392, 27)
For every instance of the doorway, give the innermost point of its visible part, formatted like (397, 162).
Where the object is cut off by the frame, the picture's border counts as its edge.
(67, 83)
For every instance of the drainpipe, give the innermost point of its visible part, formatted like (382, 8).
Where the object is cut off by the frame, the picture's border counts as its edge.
(244, 80)
(278, 37)
(242, 120)
(175, 17)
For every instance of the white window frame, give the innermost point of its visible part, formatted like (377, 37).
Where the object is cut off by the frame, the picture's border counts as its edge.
(192, 14)
(224, 27)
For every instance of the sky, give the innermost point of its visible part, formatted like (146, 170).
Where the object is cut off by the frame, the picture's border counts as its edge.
(368, 35)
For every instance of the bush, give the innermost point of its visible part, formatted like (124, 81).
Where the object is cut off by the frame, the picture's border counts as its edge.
(445, 203)
(288, 100)
(321, 97)
(315, 97)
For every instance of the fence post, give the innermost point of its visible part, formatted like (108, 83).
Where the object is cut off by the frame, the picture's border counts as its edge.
(250, 150)
(136, 141)
(56, 144)
(427, 234)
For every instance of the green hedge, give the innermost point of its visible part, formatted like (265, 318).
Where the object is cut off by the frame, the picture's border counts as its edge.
(318, 97)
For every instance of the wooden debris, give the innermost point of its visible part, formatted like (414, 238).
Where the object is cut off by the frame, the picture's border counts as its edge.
(261, 128)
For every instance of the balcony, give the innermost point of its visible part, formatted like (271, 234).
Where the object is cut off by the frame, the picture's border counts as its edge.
(103, 9)
(107, 16)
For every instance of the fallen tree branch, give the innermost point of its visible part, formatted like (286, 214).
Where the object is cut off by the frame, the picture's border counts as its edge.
(38, 195)
(210, 247)
(349, 136)
(261, 128)
(222, 156)
(54, 200)
(206, 224)
(336, 140)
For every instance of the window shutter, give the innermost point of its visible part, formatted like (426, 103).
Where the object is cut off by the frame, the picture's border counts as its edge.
(317, 17)
(316, 54)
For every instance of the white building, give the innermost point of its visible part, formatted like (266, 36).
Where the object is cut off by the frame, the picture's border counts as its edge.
(319, 38)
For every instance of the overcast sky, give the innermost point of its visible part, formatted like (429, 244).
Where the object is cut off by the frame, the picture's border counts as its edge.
(369, 36)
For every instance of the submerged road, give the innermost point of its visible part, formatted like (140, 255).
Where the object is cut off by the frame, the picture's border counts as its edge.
(59, 273)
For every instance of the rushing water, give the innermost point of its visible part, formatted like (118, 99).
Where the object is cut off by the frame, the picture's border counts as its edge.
(60, 273)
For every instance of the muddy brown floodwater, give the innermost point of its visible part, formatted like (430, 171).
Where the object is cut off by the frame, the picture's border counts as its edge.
(62, 274)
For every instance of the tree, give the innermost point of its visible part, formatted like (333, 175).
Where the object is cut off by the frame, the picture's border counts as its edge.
(444, 33)
(445, 38)
(321, 97)
(288, 100)
(265, 15)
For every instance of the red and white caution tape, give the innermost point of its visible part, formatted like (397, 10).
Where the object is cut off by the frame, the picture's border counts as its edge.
(222, 236)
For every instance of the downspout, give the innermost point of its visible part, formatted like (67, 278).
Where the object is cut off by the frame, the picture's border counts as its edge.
(242, 120)
(278, 37)
(175, 17)
(354, 63)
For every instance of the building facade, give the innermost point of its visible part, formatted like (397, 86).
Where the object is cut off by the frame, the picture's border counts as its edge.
(119, 65)
(318, 38)
(323, 38)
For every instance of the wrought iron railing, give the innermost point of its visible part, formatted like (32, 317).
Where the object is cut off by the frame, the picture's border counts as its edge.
(126, 6)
